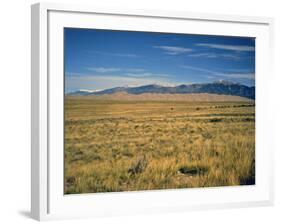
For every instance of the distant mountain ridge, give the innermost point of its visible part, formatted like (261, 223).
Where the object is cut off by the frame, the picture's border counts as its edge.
(221, 88)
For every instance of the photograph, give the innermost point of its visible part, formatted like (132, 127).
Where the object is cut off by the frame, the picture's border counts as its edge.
(157, 111)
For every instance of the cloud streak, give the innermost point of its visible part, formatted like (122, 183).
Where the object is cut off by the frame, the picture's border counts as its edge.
(227, 47)
(147, 74)
(114, 69)
(75, 81)
(215, 74)
(103, 69)
(174, 50)
(199, 69)
(250, 76)
(114, 54)
(214, 55)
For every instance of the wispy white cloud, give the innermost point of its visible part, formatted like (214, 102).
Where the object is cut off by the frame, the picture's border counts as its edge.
(214, 74)
(146, 74)
(135, 69)
(115, 54)
(204, 55)
(250, 76)
(103, 69)
(126, 72)
(199, 69)
(75, 81)
(228, 47)
(174, 50)
(214, 55)
(240, 70)
(114, 69)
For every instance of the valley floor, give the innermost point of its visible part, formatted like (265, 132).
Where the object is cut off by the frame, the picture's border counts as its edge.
(115, 146)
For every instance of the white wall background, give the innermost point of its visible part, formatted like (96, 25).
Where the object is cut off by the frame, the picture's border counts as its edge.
(15, 110)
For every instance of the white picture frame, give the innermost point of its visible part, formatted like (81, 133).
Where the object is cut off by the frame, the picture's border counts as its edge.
(47, 198)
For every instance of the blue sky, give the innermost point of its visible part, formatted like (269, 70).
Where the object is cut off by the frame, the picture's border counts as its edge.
(101, 59)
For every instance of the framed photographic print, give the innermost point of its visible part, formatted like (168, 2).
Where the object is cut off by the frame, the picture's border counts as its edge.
(148, 111)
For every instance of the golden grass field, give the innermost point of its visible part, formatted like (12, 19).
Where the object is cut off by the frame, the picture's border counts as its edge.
(113, 145)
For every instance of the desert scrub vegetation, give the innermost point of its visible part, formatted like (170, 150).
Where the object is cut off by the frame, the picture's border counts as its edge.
(115, 146)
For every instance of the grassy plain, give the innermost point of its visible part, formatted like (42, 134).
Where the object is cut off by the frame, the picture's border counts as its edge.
(116, 145)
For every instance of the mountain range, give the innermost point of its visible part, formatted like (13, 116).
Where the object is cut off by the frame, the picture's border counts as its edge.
(220, 88)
